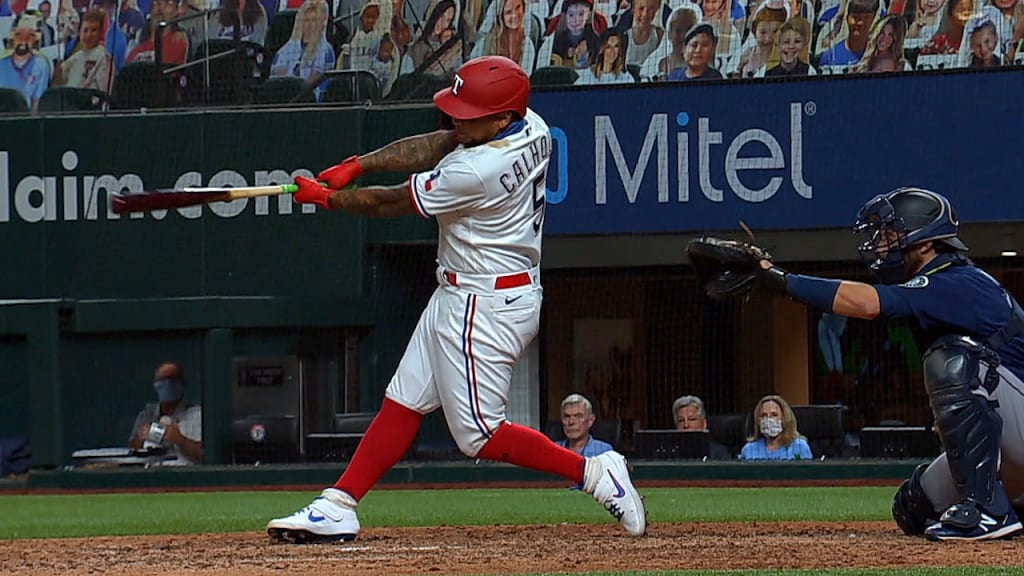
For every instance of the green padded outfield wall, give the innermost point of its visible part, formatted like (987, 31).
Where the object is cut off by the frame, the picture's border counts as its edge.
(132, 291)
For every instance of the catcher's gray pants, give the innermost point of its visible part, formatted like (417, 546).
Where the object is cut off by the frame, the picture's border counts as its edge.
(1009, 393)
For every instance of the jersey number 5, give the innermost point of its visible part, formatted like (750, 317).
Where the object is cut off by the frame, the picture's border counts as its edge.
(539, 202)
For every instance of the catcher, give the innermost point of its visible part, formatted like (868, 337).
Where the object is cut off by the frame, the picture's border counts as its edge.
(973, 333)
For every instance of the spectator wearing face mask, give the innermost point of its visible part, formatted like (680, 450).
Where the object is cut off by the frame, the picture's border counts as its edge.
(775, 434)
(172, 423)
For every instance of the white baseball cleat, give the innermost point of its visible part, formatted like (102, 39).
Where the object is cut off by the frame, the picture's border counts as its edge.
(606, 478)
(331, 517)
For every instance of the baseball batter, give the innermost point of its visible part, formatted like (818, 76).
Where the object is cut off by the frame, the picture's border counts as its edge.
(484, 183)
(973, 331)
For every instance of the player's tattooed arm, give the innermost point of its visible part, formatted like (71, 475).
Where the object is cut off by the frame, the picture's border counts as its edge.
(412, 154)
(374, 200)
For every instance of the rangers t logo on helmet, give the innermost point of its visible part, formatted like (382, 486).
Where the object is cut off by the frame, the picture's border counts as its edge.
(483, 86)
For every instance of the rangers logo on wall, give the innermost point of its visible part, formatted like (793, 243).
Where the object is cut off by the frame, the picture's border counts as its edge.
(258, 432)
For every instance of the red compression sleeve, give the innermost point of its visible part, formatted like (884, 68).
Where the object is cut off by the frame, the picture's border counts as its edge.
(529, 448)
(386, 440)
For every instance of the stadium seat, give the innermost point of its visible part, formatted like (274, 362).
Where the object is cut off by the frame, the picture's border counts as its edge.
(12, 102)
(415, 87)
(608, 430)
(265, 438)
(341, 443)
(284, 90)
(553, 76)
(729, 430)
(232, 77)
(353, 422)
(279, 31)
(824, 427)
(352, 87)
(140, 85)
(68, 99)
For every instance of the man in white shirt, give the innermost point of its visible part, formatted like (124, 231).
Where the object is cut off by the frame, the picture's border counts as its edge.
(90, 66)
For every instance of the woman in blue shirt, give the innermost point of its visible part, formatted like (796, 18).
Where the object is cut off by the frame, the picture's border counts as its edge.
(775, 435)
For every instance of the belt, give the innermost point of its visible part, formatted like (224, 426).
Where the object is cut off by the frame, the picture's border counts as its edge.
(483, 283)
(500, 282)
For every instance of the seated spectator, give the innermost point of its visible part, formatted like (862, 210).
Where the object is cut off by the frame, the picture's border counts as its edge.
(644, 36)
(699, 51)
(194, 28)
(22, 68)
(730, 39)
(48, 36)
(859, 19)
(172, 423)
(362, 47)
(508, 36)
(536, 14)
(669, 57)
(775, 434)
(428, 53)
(689, 415)
(173, 42)
(1009, 21)
(130, 19)
(924, 17)
(90, 66)
(308, 54)
(574, 35)
(114, 38)
(980, 45)
(885, 47)
(763, 28)
(791, 50)
(609, 62)
(949, 37)
(577, 419)
(385, 65)
(252, 17)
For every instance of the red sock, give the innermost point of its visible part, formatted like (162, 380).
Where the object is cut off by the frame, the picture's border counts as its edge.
(386, 440)
(529, 448)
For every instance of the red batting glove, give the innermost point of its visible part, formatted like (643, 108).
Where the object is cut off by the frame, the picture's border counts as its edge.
(341, 175)
(311, 192)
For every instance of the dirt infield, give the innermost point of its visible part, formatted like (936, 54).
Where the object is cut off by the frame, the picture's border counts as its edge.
(508, 549)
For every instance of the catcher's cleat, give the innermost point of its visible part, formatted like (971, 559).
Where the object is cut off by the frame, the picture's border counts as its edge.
(330, 518)
(606, 478)
(968, 521)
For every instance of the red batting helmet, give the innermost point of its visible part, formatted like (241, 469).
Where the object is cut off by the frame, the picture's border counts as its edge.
(484, 86)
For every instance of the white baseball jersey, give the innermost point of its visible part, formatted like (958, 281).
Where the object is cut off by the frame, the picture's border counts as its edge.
(489, 201)
(489, 204)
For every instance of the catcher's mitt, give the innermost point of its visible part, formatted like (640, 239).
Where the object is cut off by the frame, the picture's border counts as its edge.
(726, 268)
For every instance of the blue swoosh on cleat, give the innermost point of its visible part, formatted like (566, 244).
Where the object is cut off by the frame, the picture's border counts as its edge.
(621, 491)
(313, 518)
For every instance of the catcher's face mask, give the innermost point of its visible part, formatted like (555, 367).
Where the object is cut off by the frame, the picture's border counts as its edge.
(886, 233)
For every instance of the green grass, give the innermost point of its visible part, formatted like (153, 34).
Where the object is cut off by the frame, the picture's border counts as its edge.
(56, 516)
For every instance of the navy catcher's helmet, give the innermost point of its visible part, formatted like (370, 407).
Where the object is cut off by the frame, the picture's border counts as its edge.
(896, 220)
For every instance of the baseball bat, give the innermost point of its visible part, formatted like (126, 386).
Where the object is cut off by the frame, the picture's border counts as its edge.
(180, 198)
